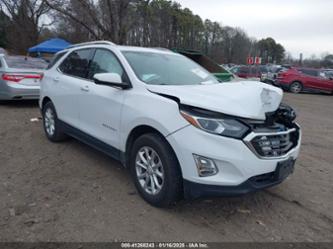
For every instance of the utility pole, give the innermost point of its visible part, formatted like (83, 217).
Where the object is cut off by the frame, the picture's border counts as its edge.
(300, 59)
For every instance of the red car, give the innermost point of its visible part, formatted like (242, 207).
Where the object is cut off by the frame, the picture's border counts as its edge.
(250, 71)
(297, 80)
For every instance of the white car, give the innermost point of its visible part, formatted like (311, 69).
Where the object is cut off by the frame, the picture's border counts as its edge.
(179, 130)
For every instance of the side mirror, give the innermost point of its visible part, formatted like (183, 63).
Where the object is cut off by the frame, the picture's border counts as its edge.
(110, 79)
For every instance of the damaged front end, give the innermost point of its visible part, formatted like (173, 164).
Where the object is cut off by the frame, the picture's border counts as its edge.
(275, 137)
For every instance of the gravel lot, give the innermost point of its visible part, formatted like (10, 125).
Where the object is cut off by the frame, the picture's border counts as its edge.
(71, 192)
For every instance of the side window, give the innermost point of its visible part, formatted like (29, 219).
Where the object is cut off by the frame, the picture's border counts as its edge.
(105, 61)
(310, 72)
(244, 70)
(314, 73)
(77, 63)
(55, 59)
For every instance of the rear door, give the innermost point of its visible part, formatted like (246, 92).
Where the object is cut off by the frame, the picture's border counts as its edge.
(67, 82)
(326, 82)
(313, 80)
(101, 105)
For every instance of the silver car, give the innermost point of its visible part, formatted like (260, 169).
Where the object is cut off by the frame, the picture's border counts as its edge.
(20, 77)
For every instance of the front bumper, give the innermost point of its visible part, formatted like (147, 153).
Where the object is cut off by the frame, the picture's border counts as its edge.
(237, 164)
(194, 190)
(10, 91)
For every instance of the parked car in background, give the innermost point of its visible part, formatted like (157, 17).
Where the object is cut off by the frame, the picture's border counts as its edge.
(298, 80)
(272, 72)
(328, 73)
(20, 77)
(207, 63)
(250, 71)
(228, 66)
(234, 69)
(141, 106)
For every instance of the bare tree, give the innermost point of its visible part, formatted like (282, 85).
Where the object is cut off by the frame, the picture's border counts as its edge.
(155, 23)
(103, 19)
(25, 22)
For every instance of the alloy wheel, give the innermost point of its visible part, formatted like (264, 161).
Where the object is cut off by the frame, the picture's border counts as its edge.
(149, 170)
(49, 121)
(296, 87)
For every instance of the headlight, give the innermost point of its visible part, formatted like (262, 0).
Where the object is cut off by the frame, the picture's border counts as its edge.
(225, 127)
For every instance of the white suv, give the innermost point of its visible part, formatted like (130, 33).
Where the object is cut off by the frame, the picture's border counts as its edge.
(179, 130)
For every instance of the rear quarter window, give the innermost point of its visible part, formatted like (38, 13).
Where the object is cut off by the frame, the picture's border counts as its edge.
(55, 59)
(25, 62)
(77, 63)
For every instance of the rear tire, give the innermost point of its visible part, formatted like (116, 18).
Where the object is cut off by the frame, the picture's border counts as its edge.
(51, 124)
(296, 87)
(155, 170)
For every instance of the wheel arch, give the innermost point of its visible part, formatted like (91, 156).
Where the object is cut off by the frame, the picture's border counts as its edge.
(45, 100)
(138, 131)
(134, 134)
(297, 81)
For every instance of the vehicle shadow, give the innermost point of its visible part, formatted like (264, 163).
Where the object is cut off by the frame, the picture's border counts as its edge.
(255, 216)
(210, 210)
(317, 93)
(19, 103)
(308, 93)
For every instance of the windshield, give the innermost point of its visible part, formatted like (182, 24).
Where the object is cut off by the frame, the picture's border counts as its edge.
(25, 62)
(167, 69)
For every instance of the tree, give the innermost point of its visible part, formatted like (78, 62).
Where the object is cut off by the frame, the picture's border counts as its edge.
(150, 23)
(24, 22)
(270, 51)
(102, 19)
(4, 22)
(328, 61)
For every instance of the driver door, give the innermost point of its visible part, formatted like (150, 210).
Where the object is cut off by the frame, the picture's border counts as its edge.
(101, 105)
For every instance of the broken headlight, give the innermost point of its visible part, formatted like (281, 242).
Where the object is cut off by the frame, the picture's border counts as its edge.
(221, 126)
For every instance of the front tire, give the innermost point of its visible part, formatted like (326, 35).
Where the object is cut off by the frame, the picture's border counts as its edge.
(155, 170)
(51, 123)
(296, 87)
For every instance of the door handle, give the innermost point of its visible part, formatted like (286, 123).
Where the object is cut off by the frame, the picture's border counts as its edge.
(56, 79)
(85, 88)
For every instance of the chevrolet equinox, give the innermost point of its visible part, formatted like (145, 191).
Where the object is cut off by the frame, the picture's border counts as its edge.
(181, 132)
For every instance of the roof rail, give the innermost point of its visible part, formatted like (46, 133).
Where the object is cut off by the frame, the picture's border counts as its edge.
(92, 43)
(162, 49)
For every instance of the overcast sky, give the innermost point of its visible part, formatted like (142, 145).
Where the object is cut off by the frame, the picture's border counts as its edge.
(301, 26)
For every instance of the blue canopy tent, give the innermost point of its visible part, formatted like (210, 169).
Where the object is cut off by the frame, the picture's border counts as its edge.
(50, 46)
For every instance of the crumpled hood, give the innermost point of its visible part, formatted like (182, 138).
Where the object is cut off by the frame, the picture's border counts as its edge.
(247, 99)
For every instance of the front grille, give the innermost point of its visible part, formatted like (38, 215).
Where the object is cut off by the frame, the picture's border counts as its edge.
(275, 145)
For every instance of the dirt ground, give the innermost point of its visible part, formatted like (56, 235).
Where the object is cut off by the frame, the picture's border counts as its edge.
(71, 192)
